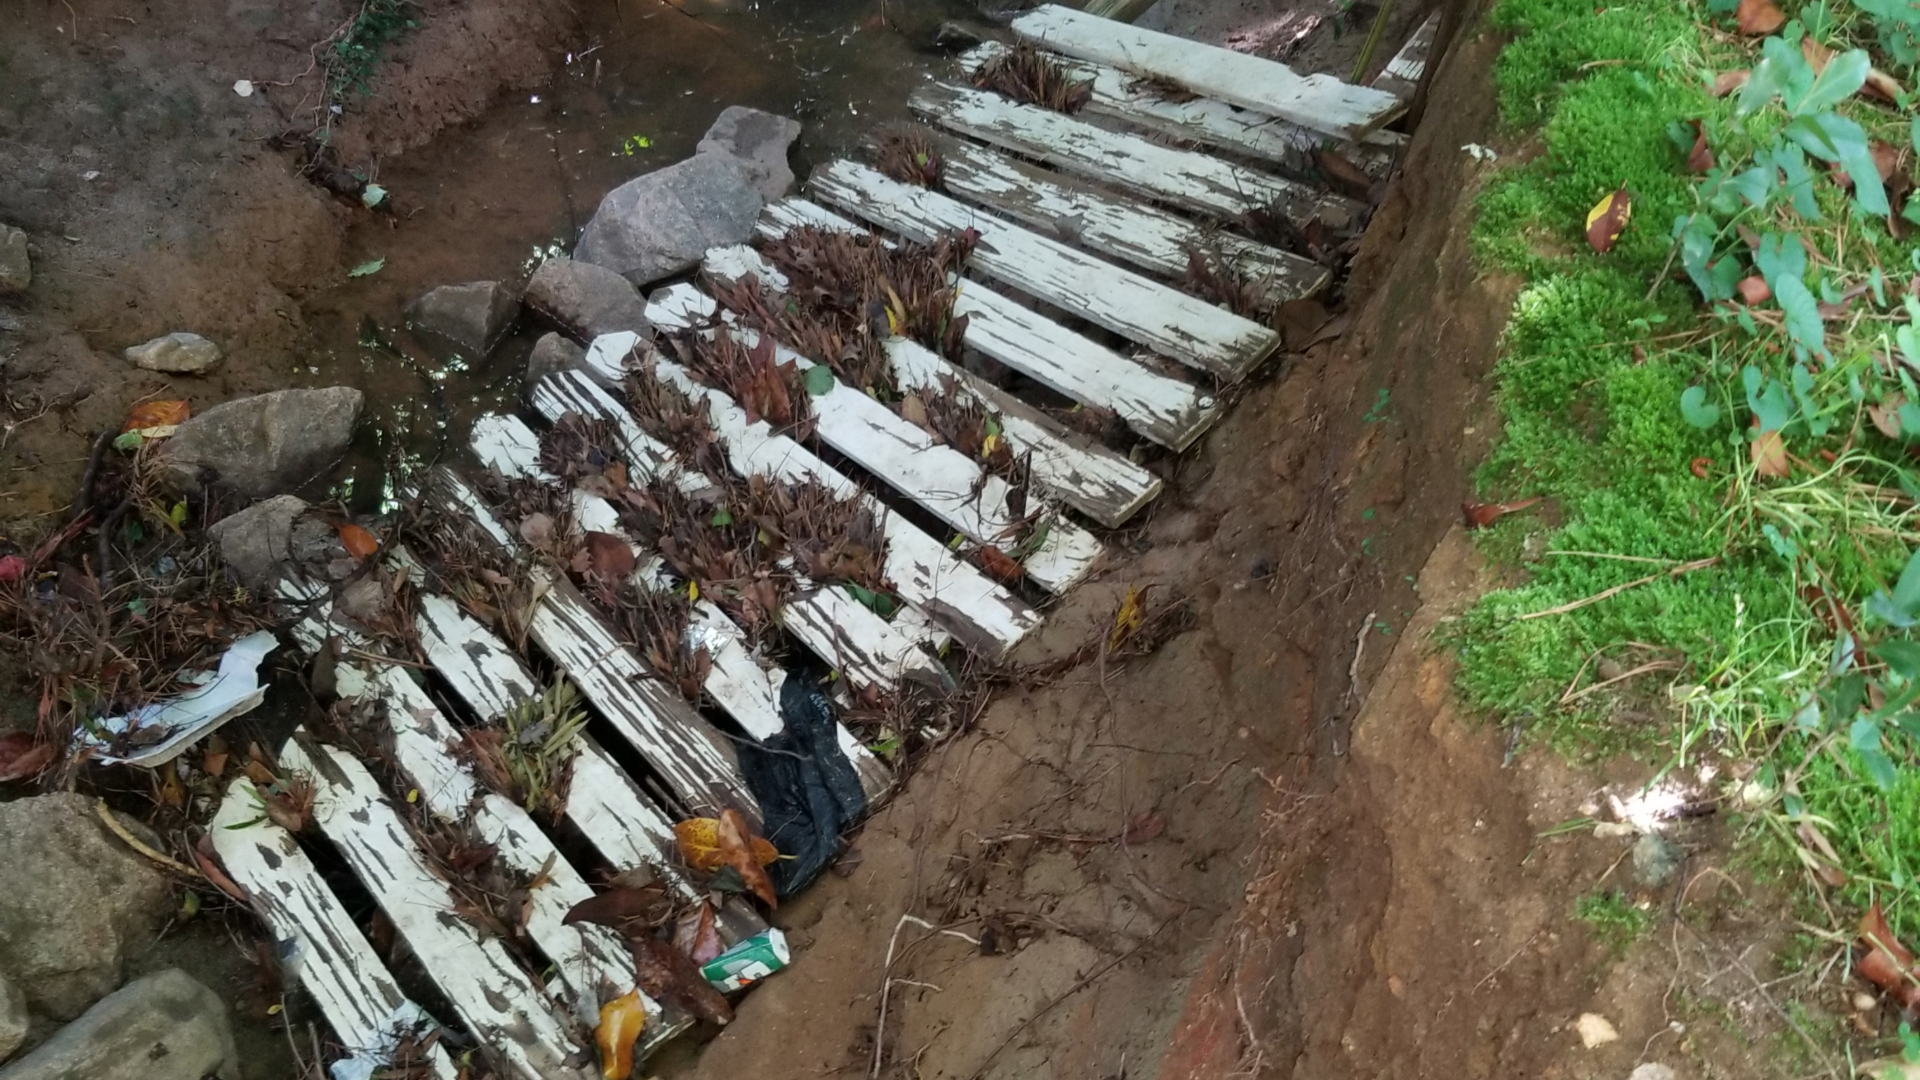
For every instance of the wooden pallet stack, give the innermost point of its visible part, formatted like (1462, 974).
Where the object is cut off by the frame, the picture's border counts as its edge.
(1085, 223)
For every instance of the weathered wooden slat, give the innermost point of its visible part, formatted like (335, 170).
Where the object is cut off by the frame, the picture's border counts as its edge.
(736, 681)
(1401, 77)
(1090, 478)
(318, 940)
(500, 1003)
(1203, 120)
(1117, 227)
(975, 609)
(1319, 102)
(1137, 308)
(1161, 408)
(840, 630)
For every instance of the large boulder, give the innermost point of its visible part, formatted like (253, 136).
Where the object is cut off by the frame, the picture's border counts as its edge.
(76, 904)
(16, 268)
(13, 1018)
(759, 141)
(267, 444)
(660, 224)
(473, 316)
(167, 1026)
(178, 353)
(585, 300)
(257, 543)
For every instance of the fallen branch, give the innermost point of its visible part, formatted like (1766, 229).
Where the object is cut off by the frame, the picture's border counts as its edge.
(119, 830)
(1606, 594)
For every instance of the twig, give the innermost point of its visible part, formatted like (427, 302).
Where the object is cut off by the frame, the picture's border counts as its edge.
(83, 500)
(1761, 988)
(1359, 650)
(1572, 695)
(887, 980)
(1069, 992)
(119, 830)
(1697, 564)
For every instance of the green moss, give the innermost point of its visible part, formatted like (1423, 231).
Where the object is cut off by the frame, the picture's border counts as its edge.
(1612, 920)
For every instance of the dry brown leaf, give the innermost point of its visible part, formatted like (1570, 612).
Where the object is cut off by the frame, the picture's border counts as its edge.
(668, 976)
(696, 935)
(1770, 454)
(1754, 290)
(1481, 515)
(1818, 55)
(1758, 18)
(157, 414)
(1608, 219)
(537, 530)
(1728, 81)
(712, 843)
(210, 868)
(998, 564)
(1886, 414)
(609, 555)
(21, 758)
(1882, 85)
(1700, 158)
(359, 542)
(1144, 827)
(624, 909)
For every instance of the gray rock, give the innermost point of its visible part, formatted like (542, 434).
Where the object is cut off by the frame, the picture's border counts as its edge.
(76, 904)
(586, 300)
(759, 141)
(657, 225)
(471, 316)
(267, 444)
(1656, 859)
(552, 354)
(167, 1026)
(13, 1018)
(16, 268)
(257, 542)
(177, 353)
(956, 37)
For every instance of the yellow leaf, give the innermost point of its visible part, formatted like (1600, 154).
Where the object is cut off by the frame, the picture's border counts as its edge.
(1130, 617)
(699, 840)
(988, 444)
(693, 590)
(1608, 219)
(621, 1022)
(157, 414)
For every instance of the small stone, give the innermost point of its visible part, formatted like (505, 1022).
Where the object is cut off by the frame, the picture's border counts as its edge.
(1655, 860)
(1865, 1002)
(16, 267)
(257, 543)
(178, 353)
(662, 223)
(1594, 1030)
(267, 444)
(167, 1026)
(955, 37)
(585, 300)
(552, 354)
(759, 141)
(1651, 1070)
(13, 1018)
(472, 316)
(1613, 830)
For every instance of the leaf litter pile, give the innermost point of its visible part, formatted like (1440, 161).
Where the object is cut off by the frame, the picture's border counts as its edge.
(1032, 77)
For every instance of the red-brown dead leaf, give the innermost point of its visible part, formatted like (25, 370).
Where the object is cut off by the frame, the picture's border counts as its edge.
(1728, 81)
(1481, 515)
(1608, 219)
(623, 909)
(1886, 414)
(1770, 454)
(1144, 827)
(1753, 289)
(1758, 18)
(670, 977)
(1700, 158)
(1699, 466)
(609, 555)
(209, 865)
(1886, 963)
(359, 542)
(1344, 176)
(736, 841)
(999, 564)
(157, 414)
(1886, 159)
(1818, 55)
(696, 936)
(21, 758)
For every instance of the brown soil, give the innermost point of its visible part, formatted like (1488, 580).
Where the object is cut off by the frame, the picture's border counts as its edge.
(1245, 854)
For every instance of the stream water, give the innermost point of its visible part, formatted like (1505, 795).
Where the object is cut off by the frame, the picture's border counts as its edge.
(485, 201)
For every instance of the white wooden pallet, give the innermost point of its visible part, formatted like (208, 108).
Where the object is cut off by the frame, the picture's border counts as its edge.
(1124, 98)
(1402, 75)
(1318, 102)
(738, 683)
(1092, 479)
(1156, 316)
(1159, 407)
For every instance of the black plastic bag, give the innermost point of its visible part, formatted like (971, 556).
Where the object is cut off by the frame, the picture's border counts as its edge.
(807, 789)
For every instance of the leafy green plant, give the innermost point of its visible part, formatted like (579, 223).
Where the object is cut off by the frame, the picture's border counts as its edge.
(1612, 920)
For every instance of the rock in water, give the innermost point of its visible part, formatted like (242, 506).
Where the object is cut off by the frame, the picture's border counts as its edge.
(552, 354)
(257, 542)
(956, 37)
(16, 268)
(759, 141)
(586, 300)
(472, 316)
(660, 224)
(177, 354)
(77, 903)
(167, 1026)
(13, 1018)
(267, 444)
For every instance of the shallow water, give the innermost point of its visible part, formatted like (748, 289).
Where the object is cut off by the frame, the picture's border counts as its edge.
(635, 94)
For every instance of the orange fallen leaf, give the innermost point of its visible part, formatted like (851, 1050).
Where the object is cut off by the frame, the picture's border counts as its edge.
(1608, 219)
(1770, 454)
(1758, 18)
(699, 840)
(621, 1022)
(21, 757)
(609, 555)
(726, 841)
(209, 864)
(999, 564)
(1481, 515)
(1699, 466)
(1700, 158)
(1728, 81)
(157, 414)
(359, 542)
(1753, 290)
(696, 935)
(1818, 55)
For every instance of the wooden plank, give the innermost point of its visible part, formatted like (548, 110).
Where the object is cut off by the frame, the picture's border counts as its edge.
(1123, 10)
(1131, 100)
(501, 1004)
(1199, 184)
(1159, 407)
(1137, 308)
(1401, 77)
(1319, 102)
(736, 680)
(318, 941)
(977, 610)
(1089, 477)
(1117, 227)
(839, 629)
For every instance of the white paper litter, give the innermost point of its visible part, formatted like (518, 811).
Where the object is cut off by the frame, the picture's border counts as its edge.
(177, 723)
(243, 87)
